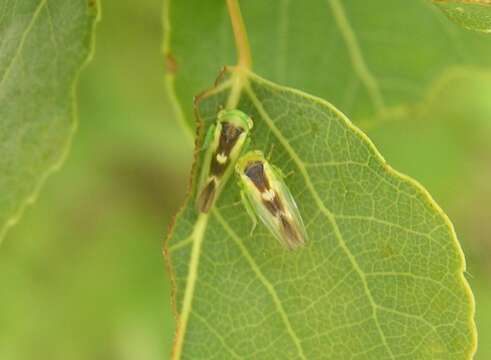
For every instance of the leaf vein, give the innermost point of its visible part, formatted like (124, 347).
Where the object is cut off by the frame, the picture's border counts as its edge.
(356, 56)
(22, 41)
(407, 315)
(217, 335)
(383, 222)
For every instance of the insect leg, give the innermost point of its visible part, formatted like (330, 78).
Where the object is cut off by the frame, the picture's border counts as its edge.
(280, 172)
(246, 144)
(270, 151)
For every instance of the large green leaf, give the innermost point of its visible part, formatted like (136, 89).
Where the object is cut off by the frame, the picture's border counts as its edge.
(471, 14)
(382, 275)
(43, 44)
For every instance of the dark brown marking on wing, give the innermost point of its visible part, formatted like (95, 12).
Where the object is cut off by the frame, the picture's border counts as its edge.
(274, 206)
(290, 232)
(255, 172)
(228, 138)
(207, 196)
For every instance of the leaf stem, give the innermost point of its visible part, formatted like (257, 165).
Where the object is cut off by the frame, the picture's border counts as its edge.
(239, 80)
(244, 58)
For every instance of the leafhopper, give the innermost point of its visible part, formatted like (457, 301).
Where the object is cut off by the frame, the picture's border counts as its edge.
(266, 195)
(223, 145)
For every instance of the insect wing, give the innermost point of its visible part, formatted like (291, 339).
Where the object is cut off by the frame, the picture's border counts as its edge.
(218, 183)
(255, 199)
(290, 224)
(204, 198)
(291, 208)
(229, 137)
(284, 222)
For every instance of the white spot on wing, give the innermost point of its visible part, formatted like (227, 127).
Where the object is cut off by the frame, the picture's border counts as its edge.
(221, 158)
(268, 195)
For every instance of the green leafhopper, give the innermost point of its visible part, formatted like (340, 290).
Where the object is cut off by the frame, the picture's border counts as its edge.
(223, 145)
(267, 195)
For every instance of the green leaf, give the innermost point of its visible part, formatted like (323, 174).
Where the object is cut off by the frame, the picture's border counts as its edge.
(43, 44)
(382, 275)
(471, 14)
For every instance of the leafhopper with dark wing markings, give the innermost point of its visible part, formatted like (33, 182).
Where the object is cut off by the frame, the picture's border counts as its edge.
(223, 144)
(266, 195)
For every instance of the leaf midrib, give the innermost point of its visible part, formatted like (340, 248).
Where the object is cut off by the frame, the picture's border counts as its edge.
(356, 56)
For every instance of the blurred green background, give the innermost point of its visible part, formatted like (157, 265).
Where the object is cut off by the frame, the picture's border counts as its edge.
(83, 275)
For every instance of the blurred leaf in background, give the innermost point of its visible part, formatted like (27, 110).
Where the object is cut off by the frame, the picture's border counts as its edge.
(43, 46)
(82, 275)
